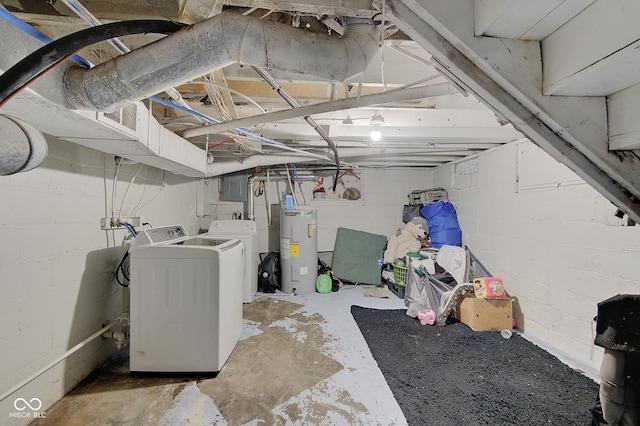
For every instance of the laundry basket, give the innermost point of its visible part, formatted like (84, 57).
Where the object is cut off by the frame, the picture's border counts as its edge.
(400, 275)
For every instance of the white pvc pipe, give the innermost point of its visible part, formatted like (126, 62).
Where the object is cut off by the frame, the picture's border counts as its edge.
(53, 363)
(117, 336)
(293, 190)
(268, 195)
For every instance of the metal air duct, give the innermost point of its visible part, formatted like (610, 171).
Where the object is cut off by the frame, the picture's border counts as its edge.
(22, 147)
(212, 44)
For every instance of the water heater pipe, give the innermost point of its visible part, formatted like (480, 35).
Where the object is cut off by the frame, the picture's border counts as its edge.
(251, 205)
(117, 336)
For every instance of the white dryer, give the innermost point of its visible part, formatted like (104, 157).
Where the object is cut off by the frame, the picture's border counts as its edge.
(186, 300)
(247, 232)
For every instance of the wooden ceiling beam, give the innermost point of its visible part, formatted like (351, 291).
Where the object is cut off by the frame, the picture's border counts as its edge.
(297, 90)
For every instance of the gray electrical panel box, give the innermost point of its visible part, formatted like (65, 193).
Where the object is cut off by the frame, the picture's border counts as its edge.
(234, 187)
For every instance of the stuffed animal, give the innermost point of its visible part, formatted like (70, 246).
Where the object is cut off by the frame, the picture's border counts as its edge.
(408, 240)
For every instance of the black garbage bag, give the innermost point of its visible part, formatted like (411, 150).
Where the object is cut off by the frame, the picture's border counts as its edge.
(618, 332)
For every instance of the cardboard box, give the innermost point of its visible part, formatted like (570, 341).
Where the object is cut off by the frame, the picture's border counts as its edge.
(485, 314)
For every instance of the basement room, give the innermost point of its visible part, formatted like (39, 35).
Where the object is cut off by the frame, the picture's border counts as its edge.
(294, 212)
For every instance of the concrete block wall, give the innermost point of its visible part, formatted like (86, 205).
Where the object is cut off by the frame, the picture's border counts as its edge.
(56, 265)
(556, 245)
(379, 211)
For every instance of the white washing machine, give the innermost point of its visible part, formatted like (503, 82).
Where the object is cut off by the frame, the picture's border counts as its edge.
(247, 232)
(186, 300)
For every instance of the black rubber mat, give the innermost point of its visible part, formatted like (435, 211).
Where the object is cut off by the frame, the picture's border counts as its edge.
(452, 375)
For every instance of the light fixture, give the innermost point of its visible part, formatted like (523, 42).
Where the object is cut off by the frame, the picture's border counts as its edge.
(375, 134)
(375, 124)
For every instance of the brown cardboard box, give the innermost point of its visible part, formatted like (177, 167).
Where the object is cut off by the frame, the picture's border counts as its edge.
(485, 314)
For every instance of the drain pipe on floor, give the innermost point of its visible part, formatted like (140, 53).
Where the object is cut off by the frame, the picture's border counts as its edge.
(121, 319)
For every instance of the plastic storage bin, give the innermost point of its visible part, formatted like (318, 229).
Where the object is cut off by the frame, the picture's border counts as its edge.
(400, 274)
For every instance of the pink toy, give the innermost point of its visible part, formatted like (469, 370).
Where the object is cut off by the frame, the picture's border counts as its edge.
(427, 316)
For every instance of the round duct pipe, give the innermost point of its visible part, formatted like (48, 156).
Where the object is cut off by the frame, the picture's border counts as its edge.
(225, 39)
(22, 147)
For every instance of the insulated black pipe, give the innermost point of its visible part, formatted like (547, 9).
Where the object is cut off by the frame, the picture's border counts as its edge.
(48, 56)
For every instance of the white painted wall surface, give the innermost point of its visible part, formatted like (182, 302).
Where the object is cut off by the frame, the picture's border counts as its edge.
(552, 240)
(56, 265)
(379, 211)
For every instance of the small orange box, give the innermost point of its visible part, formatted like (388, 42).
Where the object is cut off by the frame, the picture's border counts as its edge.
(489, 288)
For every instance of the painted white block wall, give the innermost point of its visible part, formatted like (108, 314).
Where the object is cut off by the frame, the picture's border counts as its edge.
(379, 211)
(551, 241)
(56, 265)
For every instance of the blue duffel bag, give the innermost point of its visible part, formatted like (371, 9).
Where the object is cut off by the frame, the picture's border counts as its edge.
(443, 224)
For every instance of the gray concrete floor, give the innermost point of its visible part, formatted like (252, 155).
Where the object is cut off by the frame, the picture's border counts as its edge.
(301, 360)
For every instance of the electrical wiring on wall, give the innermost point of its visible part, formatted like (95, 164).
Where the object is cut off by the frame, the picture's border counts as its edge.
(118, 161)
(122, 269)
(297, 179)
(162, 185)
(126, 192)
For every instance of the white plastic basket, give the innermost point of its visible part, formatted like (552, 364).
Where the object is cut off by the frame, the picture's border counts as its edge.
(427, 196)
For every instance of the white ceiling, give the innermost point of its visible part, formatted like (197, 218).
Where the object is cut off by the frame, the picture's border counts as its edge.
(449, 78)
(423, 132)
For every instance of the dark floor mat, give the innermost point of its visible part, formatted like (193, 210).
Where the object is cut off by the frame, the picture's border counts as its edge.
(452, 375)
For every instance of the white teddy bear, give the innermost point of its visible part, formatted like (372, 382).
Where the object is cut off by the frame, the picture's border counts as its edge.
(408, 240)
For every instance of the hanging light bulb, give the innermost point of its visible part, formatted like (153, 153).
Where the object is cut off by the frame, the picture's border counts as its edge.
(375, 134)
(376, 122)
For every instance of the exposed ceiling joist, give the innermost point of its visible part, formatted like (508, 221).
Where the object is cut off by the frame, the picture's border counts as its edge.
(503, 73)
